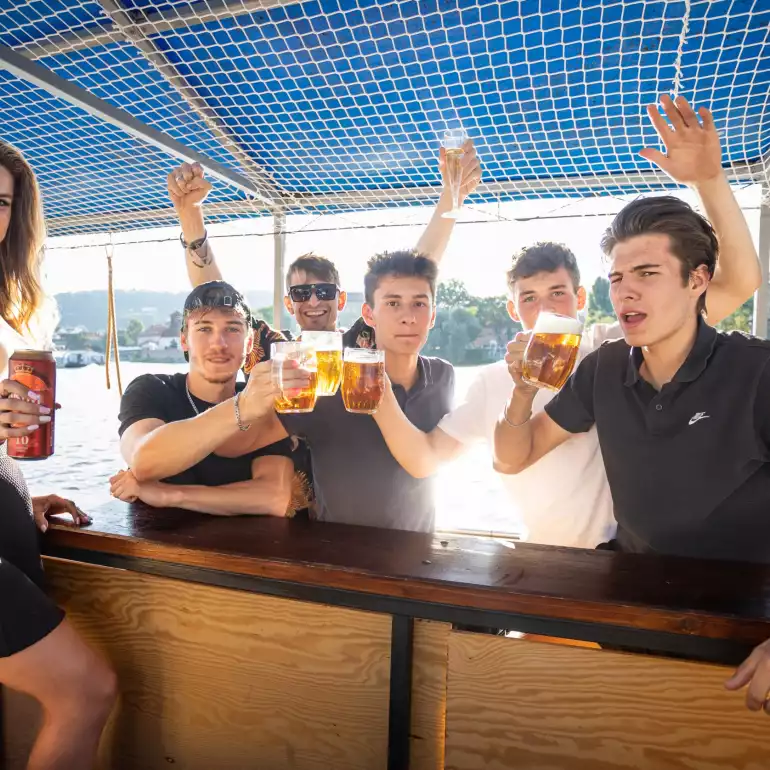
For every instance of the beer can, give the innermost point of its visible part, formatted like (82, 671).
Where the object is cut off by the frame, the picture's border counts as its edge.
(36, 370)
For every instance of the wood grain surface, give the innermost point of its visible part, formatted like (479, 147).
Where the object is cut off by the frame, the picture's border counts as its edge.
(683, 596)
(216, 678)
(429, 673)
(519, 704)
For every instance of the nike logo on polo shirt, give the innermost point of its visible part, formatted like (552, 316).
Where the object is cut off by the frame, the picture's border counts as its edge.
(698, 416)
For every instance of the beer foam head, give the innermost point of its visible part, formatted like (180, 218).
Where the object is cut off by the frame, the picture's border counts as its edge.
(550, 323)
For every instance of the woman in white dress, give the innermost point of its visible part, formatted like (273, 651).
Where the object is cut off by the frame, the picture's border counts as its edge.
(40, 653)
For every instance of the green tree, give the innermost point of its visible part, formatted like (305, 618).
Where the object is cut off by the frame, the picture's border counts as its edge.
(600, 308)
(492, 313)
(132, 332)
(453, 333)
(452, 293)
(741, 319)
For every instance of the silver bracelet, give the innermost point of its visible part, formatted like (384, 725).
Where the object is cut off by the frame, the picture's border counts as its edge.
(514, 424)
(241, 426)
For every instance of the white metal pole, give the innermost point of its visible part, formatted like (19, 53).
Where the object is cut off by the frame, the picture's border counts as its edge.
(279, 255)
(759, 324)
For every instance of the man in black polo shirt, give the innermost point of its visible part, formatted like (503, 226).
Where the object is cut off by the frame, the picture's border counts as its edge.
(188, 438)
(682, 412)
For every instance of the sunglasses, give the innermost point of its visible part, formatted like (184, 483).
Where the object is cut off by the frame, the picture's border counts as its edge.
(303, 292)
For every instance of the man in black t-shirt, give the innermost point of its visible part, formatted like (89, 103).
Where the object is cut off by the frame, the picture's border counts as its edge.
(187, 438)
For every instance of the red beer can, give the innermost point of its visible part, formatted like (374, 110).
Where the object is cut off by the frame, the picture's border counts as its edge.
(36, 370)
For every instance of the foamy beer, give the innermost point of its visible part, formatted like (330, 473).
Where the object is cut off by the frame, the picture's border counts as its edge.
(363, 380)
(552, 351)
(328, 353)
(292, 400)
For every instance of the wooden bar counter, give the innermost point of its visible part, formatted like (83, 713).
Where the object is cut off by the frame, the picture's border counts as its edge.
(280, 644)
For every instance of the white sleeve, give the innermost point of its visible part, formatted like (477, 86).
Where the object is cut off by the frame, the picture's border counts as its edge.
(466, 423)
(602, 333)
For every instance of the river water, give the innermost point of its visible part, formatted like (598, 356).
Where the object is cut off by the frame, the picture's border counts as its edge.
(468, 493)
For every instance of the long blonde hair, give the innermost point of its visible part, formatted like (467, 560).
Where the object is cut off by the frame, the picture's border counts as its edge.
(24, 304)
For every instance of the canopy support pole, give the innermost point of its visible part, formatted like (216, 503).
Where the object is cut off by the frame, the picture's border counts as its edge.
(63, 89)
(279, 257)
(759, 323)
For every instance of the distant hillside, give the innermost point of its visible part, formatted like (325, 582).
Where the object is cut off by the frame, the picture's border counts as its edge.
(89, 308)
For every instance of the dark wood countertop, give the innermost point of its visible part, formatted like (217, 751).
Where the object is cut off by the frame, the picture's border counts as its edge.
(717, 600)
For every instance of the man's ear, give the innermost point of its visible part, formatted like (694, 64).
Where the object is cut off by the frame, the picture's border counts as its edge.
(183, 342)
(582, 297)
(368, 314)
(342, 300)
(511, 308)
(287, 304)
(699, 280)
(433, 318)
(250, 342)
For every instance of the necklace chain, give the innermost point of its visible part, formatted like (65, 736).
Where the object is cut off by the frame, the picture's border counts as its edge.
(190, 398)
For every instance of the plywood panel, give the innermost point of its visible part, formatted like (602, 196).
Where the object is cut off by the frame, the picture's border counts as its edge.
(216, 678)
(519, 704)
(429, 670)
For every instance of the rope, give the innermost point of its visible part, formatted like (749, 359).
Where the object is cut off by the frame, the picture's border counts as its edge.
(680, 47)
(112, 326)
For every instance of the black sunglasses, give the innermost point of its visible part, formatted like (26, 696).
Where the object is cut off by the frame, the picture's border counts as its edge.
(303, 292)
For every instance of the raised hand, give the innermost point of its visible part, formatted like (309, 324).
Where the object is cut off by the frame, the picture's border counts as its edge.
(514, 357)
(471, 166)
(187, 186)
(257, 399)
(693, 155)
(53, 505)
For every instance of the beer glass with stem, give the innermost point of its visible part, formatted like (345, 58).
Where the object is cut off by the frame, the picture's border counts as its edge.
(453, 141)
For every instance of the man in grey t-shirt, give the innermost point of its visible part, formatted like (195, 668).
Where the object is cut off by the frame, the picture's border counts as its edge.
(357, 480)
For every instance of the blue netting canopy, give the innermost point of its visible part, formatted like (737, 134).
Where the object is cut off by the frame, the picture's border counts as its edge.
(337, 105)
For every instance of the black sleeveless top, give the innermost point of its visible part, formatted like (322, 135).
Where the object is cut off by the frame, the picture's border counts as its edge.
(18, 533)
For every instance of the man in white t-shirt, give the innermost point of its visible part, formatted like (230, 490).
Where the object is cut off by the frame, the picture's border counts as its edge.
(564, 498)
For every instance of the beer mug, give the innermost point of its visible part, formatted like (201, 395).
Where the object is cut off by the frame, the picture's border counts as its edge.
(552, 351)
(328, 353)
(293, 400)
(363, 380)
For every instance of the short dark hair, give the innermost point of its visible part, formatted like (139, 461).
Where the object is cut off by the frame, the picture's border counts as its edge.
(322, 268)
(543, 257)
(692, 238)
(402, 264)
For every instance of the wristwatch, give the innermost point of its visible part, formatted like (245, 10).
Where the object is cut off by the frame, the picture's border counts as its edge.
(196, 244)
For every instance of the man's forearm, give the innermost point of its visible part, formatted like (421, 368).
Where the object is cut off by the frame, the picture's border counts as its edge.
(738, 272)
(268, 494)
(411, 447)
(513, 434)
(177, 446)
(435, 238)
(201, 266)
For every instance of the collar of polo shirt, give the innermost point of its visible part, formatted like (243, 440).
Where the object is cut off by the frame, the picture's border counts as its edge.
(694, 364)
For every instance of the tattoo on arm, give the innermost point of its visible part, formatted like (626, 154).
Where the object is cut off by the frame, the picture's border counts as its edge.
(200, 256)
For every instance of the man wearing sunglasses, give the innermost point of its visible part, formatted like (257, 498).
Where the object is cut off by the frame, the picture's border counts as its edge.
(313, 293)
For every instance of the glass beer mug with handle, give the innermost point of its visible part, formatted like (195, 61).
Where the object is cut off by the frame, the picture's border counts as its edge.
(328, 352)
(293, 400)
(552, 351)
(363, 380)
